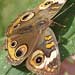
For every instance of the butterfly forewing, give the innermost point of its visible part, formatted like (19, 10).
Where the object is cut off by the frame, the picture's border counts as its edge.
(21, 45)
(46, 10)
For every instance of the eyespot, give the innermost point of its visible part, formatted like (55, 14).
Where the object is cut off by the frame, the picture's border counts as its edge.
(13, 43)
(27, 16)
(37, 58)
(21, 51)
(16, 26)
(18, 53)
(45, 5)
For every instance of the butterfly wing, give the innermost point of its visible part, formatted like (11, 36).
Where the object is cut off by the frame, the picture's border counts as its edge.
(20, 45)
(45, 59)
(49, 8)
(46, 10)
(23, 33)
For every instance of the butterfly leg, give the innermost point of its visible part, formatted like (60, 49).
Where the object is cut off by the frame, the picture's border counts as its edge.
(58, 24)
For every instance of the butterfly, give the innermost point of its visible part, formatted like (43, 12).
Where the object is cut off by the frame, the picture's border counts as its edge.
(25, 34)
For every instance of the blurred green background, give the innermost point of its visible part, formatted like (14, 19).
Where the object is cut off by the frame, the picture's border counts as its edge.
(10, 9)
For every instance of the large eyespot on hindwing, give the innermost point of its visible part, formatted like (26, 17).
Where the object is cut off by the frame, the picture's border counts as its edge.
(27, 16)
(37, 59)
(39, 62)
(21, 51)
(45, 5)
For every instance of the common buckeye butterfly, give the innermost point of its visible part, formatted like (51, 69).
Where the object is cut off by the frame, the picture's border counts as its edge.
(25, 39)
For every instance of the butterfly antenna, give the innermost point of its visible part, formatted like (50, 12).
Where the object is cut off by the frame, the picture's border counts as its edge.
(64, 10)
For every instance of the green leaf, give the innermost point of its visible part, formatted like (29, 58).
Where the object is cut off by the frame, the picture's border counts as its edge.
(10, 9)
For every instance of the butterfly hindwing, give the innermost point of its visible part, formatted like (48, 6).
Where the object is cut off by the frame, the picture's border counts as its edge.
(45, 59)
